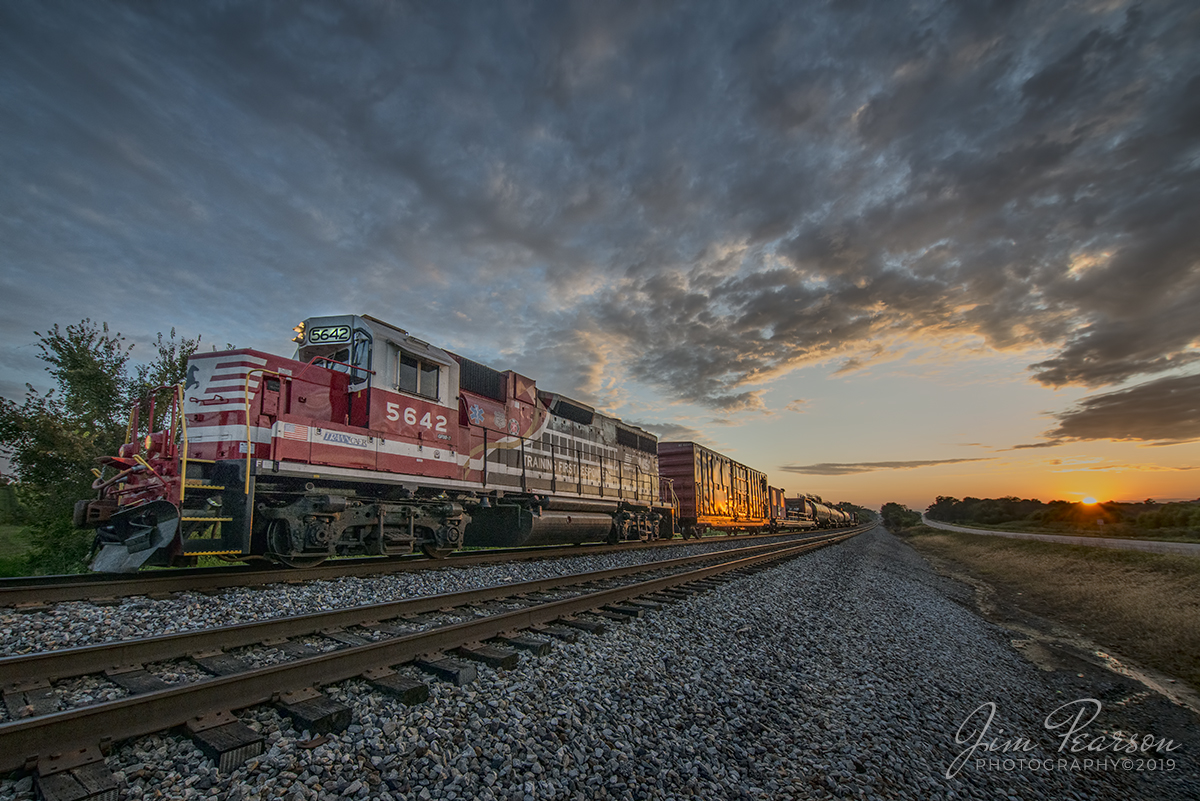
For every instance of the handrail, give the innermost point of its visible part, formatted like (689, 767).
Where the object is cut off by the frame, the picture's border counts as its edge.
(183, 432)
(137, 457)
(131, 426)
(249, 445)
(332, 361)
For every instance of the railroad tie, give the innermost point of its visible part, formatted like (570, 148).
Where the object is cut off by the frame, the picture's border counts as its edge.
(224, 739)
(80, 775)
(493, 657)
(624, 616)
(454, 671)
(583, 624)
(291, 648)
(394, 629)
(314, 711)
(557, 632)
(410, 692)
(220, 663)
(344, 637)
(135, 679)
(533, 645)
(30, 699)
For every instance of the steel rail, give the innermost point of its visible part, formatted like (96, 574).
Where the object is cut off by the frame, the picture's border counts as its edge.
(82, 660)
(24, 591)
(25, 741)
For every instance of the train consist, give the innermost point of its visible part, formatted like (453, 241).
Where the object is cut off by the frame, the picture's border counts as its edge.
(714, 491)
(371, 441)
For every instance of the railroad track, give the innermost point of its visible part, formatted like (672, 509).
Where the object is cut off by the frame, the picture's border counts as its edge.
(436, 633)
(36, 592)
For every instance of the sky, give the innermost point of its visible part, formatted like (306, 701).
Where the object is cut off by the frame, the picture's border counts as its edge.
(881, 251)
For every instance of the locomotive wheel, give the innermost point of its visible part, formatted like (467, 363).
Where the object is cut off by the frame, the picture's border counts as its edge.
(279, 542)
(434, 552)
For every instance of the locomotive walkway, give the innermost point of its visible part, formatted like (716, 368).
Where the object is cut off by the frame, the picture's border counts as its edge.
(1150, 546)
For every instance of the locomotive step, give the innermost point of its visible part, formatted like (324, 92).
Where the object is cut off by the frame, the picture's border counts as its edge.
(206, 519)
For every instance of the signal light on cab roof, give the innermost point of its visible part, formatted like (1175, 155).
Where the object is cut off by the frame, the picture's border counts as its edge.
(299, 329)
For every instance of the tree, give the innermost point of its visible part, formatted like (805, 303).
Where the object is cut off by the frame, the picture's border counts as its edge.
(166, 370)
(52, 440)
(897, 516)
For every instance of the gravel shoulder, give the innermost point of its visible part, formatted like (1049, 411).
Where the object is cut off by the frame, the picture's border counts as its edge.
(845, 673)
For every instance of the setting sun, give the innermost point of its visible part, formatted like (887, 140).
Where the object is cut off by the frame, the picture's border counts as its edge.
(1089, 499)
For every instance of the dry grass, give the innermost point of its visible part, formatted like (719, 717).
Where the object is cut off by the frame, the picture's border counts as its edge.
(1144, 606)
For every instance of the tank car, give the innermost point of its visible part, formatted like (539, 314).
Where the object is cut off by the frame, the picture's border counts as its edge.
(815, 514)
(368, 441)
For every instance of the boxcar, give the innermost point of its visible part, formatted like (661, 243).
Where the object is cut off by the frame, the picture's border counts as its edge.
(713, 490)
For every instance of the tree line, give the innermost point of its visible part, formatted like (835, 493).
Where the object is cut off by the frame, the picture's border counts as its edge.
(1147, 514)
(51, 440)
(1064, 514)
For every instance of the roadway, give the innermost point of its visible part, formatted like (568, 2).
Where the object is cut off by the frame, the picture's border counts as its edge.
(1151, 546)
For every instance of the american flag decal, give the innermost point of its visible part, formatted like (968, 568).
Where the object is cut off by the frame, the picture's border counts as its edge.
(293, 431)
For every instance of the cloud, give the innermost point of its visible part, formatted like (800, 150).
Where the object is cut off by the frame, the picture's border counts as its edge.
(1166, 410)
(833, 469)
(1126, 468)
(698, 199)
(674, 432)
(799, 405)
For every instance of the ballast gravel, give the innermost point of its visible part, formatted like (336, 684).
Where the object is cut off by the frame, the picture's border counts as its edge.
(73, 624)
(842, 674)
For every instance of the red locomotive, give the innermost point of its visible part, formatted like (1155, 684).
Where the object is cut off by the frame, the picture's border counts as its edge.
(370, 441)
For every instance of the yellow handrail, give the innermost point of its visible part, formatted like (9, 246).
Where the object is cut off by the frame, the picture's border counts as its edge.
(130, 434)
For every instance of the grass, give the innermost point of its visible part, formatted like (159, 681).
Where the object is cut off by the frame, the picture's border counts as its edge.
(1141, 605)
(14, 546)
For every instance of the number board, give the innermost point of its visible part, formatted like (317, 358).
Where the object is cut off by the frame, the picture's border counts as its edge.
(327, 335)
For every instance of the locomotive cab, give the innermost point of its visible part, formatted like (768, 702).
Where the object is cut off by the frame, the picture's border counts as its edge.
(398, 384)
(343, 344)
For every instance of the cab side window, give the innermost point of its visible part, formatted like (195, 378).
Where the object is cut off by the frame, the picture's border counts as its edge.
(419, 377)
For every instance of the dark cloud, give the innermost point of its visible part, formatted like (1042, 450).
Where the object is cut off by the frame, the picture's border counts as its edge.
(696, 197)
(831, 469)
(1165, 410)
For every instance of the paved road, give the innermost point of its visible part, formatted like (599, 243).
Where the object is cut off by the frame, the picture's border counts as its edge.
(1153, 546)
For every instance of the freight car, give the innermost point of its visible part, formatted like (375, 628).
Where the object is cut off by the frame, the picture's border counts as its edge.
(817, 514)
(782, 517)
(369, 441)
(713, 490)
